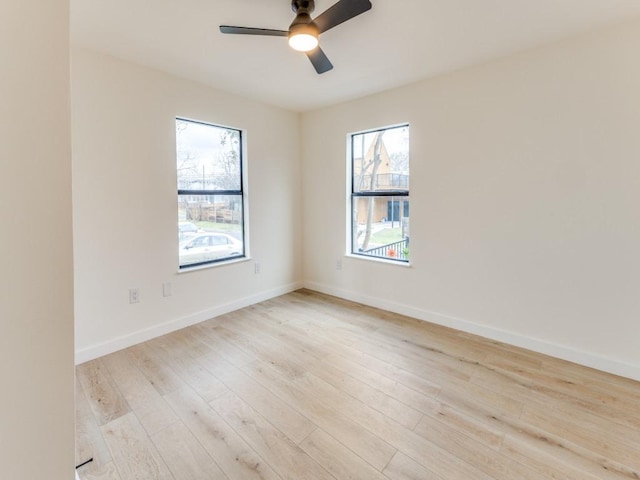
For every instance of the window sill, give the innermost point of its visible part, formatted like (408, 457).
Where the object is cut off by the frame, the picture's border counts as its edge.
(368, 258)
(206, 266)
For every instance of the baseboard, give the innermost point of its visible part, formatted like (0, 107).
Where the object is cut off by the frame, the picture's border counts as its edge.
(558, 351)
(113, 345)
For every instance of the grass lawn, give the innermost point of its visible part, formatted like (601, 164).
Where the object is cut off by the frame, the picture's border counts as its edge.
(386, 236)
(221, 227)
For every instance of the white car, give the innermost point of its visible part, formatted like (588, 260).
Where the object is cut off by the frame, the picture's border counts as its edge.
(205, 247)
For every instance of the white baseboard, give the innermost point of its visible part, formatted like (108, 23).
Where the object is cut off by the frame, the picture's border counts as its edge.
(119, 343)
(587, 359)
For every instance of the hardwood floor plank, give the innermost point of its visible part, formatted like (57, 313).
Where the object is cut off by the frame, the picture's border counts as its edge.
(563, 386)
(407, 354)
(89, 441)
(106, 471)
(335, 422)
(289, 421)
(434, 341)
(481, 400)
(386, 404)
(185, 343)
(623, 456)
(420, 383)
(308, 387)
(284, 456)
(476, 411)
(184, 455)
(426, 452)
(402, 467)
(150, 409)
(272, 328)
(308, 358)
(332, 309)
(233, 355)
(476, 428)
(338, 459)
(525, 391)
(154, 368)
(287, 333)
(494, 464)
(105, 400)
(559, 450)
(416, 400)
(596, 425)
(544, 461)
(289, 360)
(310, 319)
(182, 357)
(134, 454)
(232, 454)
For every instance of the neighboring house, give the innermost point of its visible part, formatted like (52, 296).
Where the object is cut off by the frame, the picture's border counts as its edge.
(385, 209)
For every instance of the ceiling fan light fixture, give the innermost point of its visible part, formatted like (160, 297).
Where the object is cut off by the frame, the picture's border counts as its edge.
(303, 42)
(303, 37)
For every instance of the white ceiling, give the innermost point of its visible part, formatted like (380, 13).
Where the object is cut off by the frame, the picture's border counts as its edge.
(395, 43)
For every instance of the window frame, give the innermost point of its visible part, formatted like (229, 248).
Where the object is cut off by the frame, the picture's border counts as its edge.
(240, 193)
(400, 195)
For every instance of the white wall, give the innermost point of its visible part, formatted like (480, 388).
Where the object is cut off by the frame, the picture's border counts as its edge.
(125, 210)
(524, 201)
(36, 287)
(525, 194)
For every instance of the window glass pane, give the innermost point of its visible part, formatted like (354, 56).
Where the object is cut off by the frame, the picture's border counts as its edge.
(380, 193)
(380, 227)
(381, 160)
(210, 193)
(208, 157)
(210, 228)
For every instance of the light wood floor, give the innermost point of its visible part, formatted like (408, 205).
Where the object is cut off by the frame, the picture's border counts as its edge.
(309, 387)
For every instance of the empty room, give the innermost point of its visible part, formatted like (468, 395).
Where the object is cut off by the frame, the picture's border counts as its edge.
(398, 242)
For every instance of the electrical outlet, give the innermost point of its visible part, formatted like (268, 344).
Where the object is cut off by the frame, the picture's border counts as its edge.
(339, 264)
(256, 268)
(134, 295)
(166, 289)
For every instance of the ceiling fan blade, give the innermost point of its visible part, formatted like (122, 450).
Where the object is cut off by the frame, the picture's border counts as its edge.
(341, 12)
(253, 31)
(319, 60)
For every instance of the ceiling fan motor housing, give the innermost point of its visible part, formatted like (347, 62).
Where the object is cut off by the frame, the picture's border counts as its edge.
(303, 24)
(303, 6)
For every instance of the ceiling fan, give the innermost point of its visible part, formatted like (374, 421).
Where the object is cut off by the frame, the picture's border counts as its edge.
(303, 32)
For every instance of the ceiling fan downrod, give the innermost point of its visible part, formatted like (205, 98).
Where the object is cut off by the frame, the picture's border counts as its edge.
(303, 6)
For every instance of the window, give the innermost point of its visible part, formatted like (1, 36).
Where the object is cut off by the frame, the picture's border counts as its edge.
(380, 193)
(210, 193)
